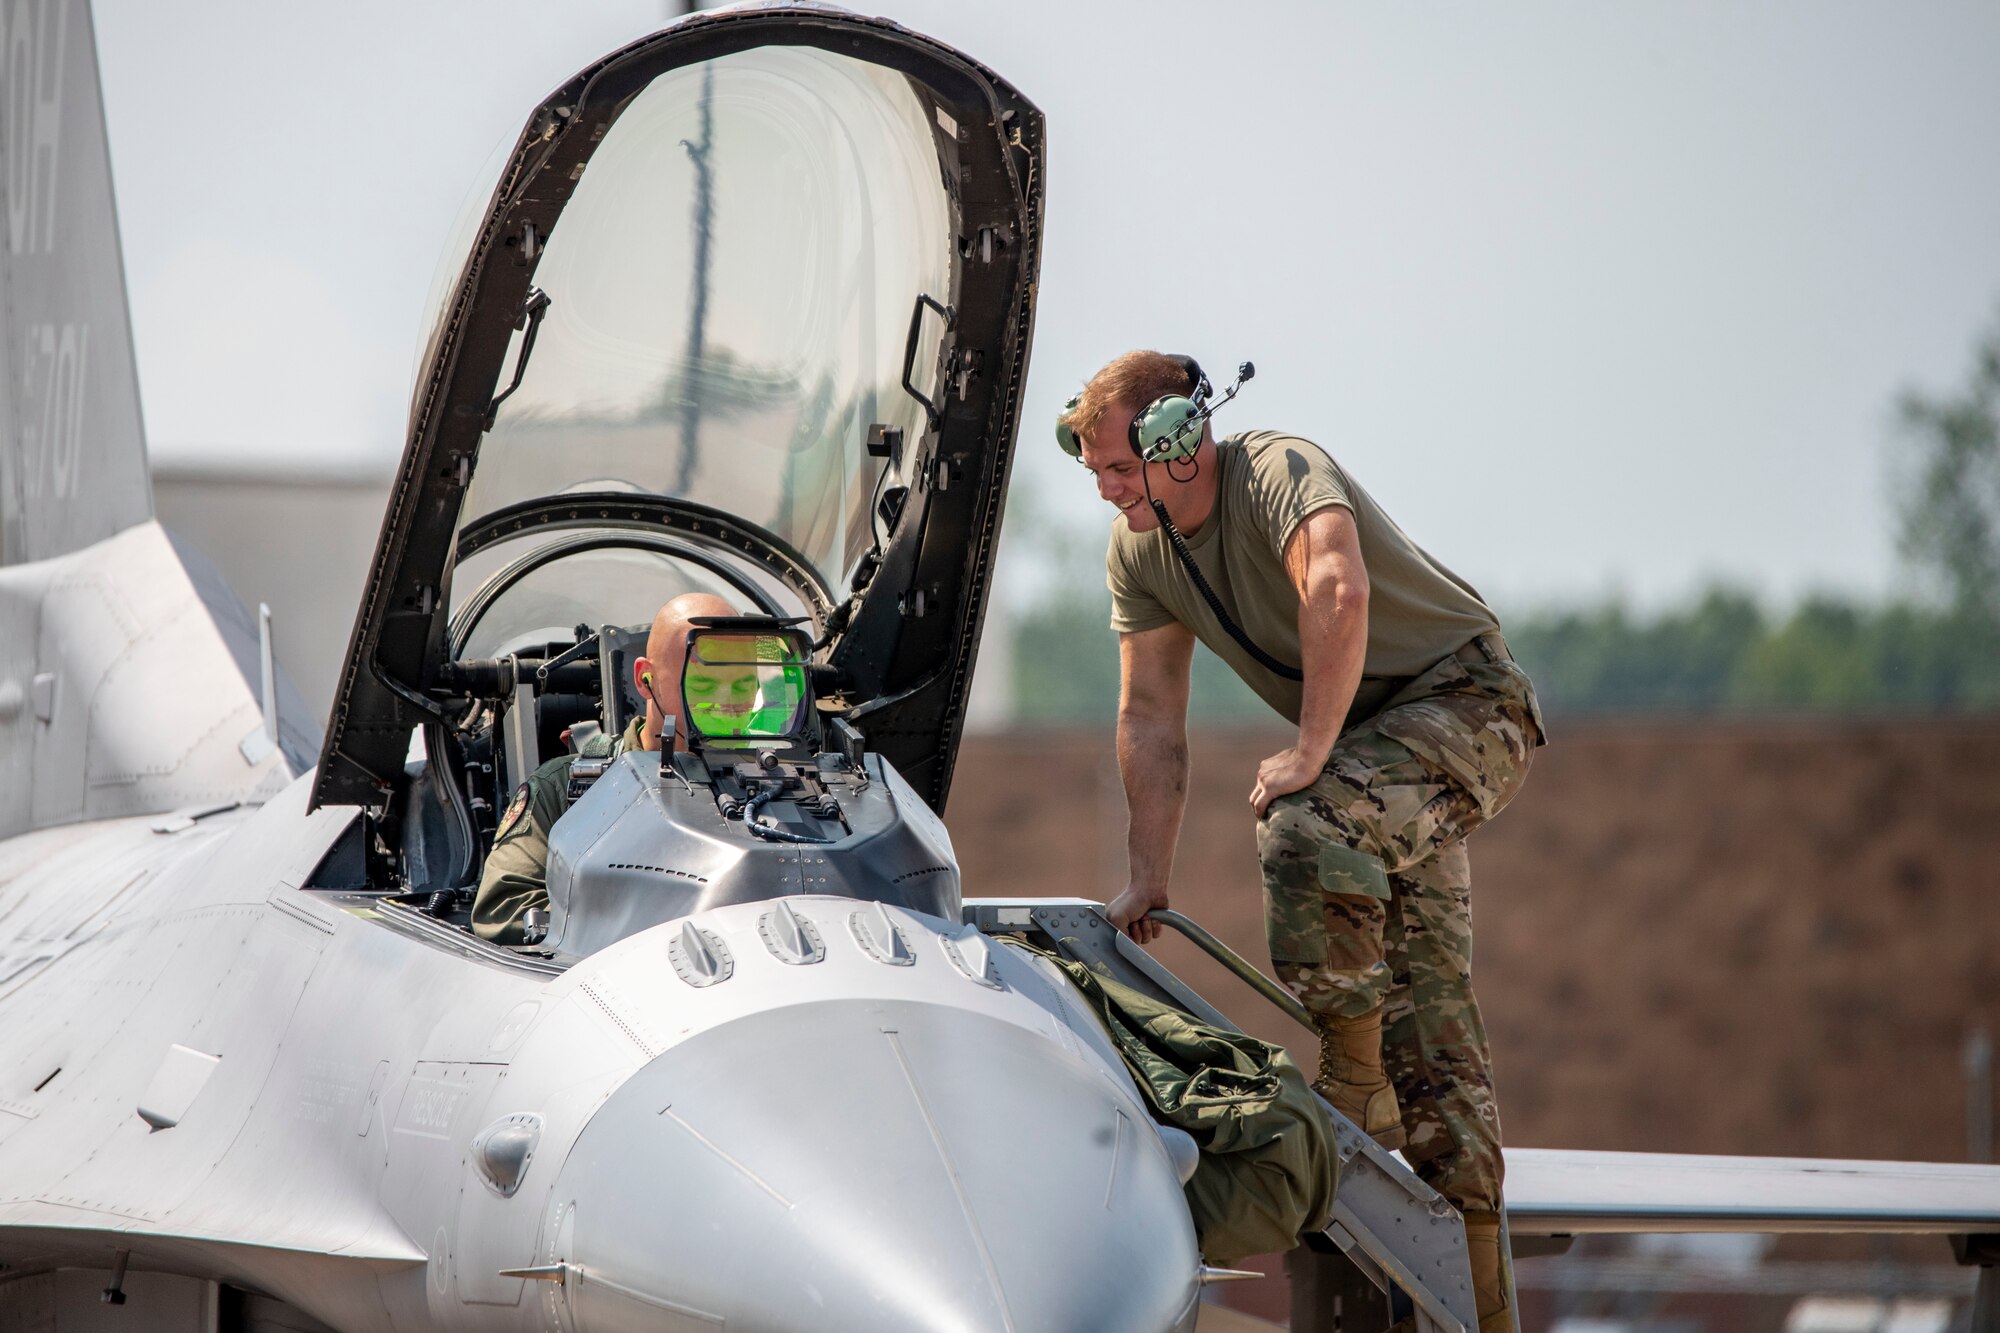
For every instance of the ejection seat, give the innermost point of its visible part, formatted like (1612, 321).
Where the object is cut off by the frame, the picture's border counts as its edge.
(565, 719)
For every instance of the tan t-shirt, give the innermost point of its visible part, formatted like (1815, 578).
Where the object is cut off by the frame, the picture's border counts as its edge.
(1418, 611)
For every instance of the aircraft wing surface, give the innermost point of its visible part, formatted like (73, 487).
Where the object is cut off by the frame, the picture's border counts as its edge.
(1553, 1192)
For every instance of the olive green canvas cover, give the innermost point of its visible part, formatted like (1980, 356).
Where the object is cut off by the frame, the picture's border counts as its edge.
(1268, 1168)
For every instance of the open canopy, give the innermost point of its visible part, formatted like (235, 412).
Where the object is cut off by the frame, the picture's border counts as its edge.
(748, 312)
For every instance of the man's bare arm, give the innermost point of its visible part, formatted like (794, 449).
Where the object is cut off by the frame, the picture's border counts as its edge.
(1323, 561)
(1153, 761)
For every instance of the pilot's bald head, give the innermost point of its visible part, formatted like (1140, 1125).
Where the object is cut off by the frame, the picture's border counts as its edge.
(658, 674)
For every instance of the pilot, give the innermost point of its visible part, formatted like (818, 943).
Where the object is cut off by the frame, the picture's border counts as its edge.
(1414, 727)
(516, 874)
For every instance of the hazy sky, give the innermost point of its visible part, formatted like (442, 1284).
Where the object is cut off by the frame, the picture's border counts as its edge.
(1593, 297)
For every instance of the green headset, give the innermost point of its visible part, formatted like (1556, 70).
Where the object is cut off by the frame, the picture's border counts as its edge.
(1166, 430)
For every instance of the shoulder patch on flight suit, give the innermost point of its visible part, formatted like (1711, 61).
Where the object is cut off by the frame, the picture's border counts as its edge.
(515, 813)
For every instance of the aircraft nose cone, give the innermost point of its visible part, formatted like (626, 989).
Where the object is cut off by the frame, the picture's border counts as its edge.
(874, 1166)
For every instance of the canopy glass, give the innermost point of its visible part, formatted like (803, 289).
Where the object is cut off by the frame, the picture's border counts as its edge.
(731, 287)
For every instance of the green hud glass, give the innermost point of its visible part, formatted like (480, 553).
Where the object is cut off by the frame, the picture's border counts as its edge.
(744, 687)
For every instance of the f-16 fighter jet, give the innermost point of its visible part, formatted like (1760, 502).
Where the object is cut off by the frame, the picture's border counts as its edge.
(747, 313)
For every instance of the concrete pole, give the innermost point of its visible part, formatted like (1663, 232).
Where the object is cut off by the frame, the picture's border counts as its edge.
(1977, 1061)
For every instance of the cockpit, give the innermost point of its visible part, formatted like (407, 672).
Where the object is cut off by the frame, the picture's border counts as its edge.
(747, 313)
(738, 790)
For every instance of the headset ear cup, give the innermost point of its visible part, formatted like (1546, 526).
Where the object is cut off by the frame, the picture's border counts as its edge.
(1065, 436)
(1155, 433)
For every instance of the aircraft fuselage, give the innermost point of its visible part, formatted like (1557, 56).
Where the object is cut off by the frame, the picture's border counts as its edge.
(369, 1115)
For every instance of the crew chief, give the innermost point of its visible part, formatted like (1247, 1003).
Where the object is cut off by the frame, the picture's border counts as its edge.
(1414, 727)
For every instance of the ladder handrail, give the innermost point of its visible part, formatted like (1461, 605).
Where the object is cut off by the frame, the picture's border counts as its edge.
(1243, 968)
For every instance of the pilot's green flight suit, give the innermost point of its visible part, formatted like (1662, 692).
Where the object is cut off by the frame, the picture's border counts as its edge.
(517, 869)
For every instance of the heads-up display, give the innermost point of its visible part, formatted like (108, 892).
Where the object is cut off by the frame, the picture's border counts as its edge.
(745, 687)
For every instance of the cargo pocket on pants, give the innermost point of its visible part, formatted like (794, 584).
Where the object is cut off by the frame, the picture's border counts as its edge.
(1342, 870)
(1295, 923)
(1295, 908)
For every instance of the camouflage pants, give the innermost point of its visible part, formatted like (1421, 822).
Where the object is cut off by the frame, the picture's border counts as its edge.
(1368, 899)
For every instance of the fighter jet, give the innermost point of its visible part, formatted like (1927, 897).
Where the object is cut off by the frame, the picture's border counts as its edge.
(748, 311)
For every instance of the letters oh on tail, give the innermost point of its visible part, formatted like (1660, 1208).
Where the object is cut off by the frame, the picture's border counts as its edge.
(126, 666)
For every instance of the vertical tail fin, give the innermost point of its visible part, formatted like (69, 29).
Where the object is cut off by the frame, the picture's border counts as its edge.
(72, 445)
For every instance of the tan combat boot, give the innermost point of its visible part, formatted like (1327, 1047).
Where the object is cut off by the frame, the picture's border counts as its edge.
(1351, 1077)
(1489, 1273)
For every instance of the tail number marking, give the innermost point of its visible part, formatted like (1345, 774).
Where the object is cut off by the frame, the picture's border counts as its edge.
(53, 372)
